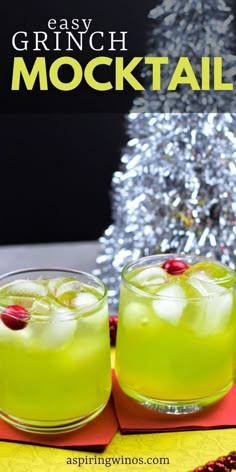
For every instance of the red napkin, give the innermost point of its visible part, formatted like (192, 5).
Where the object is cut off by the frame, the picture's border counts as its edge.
(95, 436)
(134, 418)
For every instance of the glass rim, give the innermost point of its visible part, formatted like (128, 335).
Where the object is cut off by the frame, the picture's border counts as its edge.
(176, 256)
(69, 314)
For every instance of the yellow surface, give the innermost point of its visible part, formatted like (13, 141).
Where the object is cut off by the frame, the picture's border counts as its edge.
(184, 450)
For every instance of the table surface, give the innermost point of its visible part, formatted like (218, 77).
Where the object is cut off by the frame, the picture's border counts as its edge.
(80, 256)
(185, 450)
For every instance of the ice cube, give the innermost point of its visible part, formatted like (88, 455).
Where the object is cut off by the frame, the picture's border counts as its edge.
(201, 287)
(58, 334)
(52, 335)
(169, 307)
(217, 305)
(218, 311)
(24, 288)
(41, 307)
(135, 315)
(49, 307)
(84, 299)
(151, 276)
(205, 284)
(201, 275)
(93, 322)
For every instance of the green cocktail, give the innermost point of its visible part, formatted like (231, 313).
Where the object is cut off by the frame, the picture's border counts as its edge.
(54, 349)
(175, 337)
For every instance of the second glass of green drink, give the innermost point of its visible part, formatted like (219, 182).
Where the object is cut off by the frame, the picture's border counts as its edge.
(55, 373)
(175, 338)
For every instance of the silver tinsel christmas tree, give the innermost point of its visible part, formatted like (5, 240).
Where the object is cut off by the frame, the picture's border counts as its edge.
(175, 190)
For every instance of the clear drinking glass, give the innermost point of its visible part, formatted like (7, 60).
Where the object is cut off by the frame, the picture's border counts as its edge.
(54, 349)
(175, 334)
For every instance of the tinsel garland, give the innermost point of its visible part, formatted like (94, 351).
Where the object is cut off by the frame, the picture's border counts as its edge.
(222, 464)
(175, 188)
(192, 29)
(163, 204)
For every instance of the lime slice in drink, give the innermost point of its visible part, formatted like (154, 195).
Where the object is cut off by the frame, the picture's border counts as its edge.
(24, 288)
(64, 289)
(22, 292)
(212, 272)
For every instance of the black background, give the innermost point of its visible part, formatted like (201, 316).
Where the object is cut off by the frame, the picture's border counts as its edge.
(57, 163)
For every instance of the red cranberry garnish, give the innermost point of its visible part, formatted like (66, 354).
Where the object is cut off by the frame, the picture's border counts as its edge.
(175, 266)
(15, 317)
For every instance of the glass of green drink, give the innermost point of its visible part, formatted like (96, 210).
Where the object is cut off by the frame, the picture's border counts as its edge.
(54, 349)
(175, 336)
